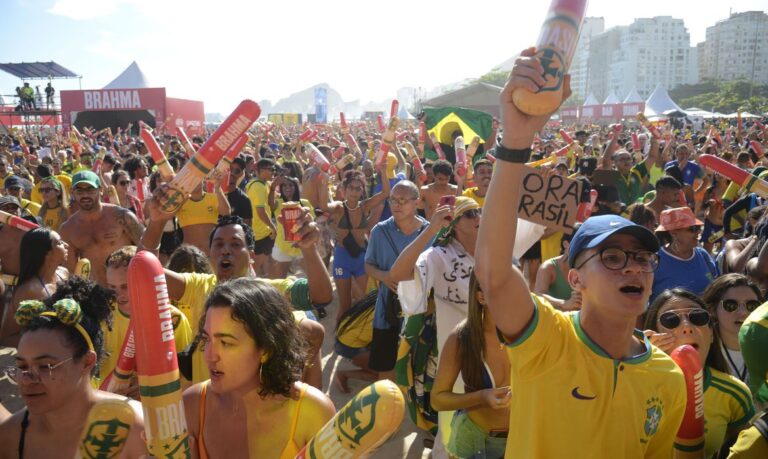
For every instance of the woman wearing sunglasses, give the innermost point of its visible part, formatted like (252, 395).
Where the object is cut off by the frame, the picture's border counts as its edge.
(682, 262)
(55, 209)
(678, 317)
(730, 299)
(121, 181)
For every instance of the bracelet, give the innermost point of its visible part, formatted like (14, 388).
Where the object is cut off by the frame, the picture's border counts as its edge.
(512, 156)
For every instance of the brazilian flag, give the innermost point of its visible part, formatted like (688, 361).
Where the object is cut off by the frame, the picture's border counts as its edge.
(445, 120)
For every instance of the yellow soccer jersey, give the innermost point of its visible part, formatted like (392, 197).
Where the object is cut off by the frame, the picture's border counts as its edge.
(258, 193)
(570, 399)
(751, 444)
(727, 403)
(113, 339)
(199, 212)
(192, 304)
(472, 193)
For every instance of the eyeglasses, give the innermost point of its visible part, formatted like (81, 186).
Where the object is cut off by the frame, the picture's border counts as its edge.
(36, 373)
(471, 213)
(733, 305)
(695, 229)
(400, 201)
(672, 319)
(46, 190)
(614, 259)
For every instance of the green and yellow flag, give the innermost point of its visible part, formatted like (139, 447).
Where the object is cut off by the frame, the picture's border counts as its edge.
(445, 120)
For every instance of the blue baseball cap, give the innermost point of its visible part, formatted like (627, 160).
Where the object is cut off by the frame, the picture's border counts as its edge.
(595, 230)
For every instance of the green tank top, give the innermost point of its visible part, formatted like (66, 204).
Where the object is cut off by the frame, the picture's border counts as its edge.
(560, 288)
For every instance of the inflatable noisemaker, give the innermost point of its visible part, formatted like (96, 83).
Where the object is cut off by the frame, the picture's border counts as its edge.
(319, 159)
(389, 137)
(554, 49)
(74, 140)
(473, 146)
(222, 168)
(436, 146)
(490, 157)
(565, 136)
(394, 108)
(422, 136)
(139, 184)
(757, 147)
(188, 147)
(759, 125)
(343, 121)
(200, 165)
(120, 378)
(361, 426)
(113, 197)
(585, 208)
(307, 136)
(83, 268)
(349, 158)
(635, 142)
(750, 183)
(380, 123)
(159, 384)
(421, 174)
(351, 142)
(647, 124)
(461, 156)
(337, 153)
(165, 169)
(106, 429)
(17, 222)
(401, 136)
(690, 435)
(542, 161)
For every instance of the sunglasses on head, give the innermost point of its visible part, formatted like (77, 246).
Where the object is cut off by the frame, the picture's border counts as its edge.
(733, 305)
(673, 319)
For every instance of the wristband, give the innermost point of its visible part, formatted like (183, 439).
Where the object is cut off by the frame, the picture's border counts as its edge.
(512, 156)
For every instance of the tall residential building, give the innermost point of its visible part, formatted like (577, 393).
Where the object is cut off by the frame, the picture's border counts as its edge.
(641, 55)
(580, 70)
(735, 48)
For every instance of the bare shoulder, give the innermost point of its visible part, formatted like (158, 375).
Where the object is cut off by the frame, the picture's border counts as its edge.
(10, 431)
(319, 401)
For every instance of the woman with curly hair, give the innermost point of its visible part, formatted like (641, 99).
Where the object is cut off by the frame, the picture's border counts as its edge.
(254, 400)
(61, 344)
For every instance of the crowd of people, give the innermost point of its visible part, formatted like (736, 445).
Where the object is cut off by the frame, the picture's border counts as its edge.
(561, 350)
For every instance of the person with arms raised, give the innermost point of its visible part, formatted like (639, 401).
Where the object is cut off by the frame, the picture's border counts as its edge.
(615, 394)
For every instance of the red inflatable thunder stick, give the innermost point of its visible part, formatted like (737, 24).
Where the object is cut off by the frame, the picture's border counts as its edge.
(436, 146)
(188, 147)
(319, 159)
(750, 183)
(389, 136)
(757, 147)
(461, 156)
(690, 436)
(554, 49)
(159, 383)
(380, 123)
(422, 136)
(565, 136)
(635, 142)
(585, 208)
(17, 222)
(221, 172)
(343, 121)
(120, 377)
(200, 165)
(360, 426)
(165, 169)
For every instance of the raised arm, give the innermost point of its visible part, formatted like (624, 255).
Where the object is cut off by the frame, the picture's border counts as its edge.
(378, 198)
(403, 268)
(504, 287)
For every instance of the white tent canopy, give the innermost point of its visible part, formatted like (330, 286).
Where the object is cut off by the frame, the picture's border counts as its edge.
(591, 100)
(633, 97)
(132, 77)
(611, 99)
(659, 102)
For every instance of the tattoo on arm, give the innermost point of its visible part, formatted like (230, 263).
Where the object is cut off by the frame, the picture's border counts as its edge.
(133, 228)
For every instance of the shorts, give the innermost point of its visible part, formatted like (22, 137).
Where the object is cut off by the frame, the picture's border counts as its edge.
(264, 246)
(384, 349)
(348, 351)
(468, 440)
(282, 257)
(344, 266)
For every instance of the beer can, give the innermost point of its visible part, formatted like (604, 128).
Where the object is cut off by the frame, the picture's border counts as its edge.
(291, 213)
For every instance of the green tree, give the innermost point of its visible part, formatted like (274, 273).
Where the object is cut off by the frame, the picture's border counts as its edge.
(495, 76)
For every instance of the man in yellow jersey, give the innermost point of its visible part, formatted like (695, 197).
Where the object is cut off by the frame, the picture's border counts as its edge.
(483, 170)
(231, 246)
(584, 384)
(263, 228)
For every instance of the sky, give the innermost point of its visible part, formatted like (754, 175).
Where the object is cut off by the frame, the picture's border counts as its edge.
(223, 51)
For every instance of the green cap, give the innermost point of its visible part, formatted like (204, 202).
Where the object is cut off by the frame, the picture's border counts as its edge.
(86, 177)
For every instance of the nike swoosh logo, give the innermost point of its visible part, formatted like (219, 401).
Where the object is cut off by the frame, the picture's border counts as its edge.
(614, 223)
(575, 393)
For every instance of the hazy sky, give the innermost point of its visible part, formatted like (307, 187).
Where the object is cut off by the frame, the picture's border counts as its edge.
(225, 50)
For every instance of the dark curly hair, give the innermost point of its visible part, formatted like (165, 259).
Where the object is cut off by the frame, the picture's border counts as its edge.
(227, 220)
(267, 318)
(189, 259)
(95, 304)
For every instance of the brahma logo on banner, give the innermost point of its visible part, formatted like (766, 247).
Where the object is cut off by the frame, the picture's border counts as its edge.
(112, 99)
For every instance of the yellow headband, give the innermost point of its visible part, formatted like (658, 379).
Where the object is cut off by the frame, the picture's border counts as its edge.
(66, 310)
